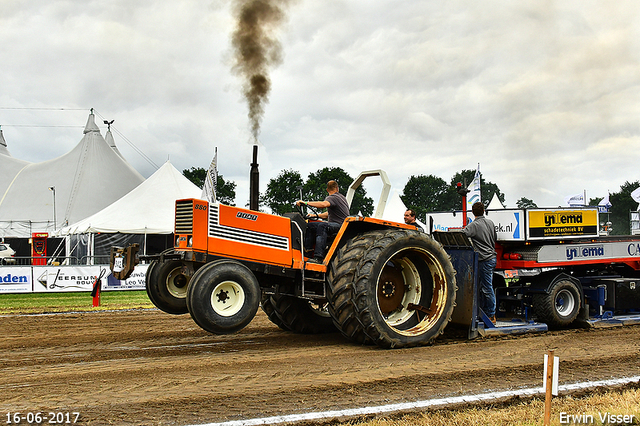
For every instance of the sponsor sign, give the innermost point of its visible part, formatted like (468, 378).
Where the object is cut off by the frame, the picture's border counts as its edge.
(589, 251)
(443, 221)
(16, 279)
(508, 223)
(136, 281)
(562, 223)
(67, 278)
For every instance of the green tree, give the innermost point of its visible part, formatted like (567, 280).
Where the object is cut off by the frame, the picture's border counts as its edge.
(424, 194)
(282, 192)
(316, 184)
(621, 205)
(225, 191)
(525, 203)
(196, 175)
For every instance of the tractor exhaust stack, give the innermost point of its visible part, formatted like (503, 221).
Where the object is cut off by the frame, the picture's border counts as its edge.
(254, 180)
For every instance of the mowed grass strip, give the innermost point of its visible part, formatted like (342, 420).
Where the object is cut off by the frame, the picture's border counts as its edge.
(37, 303)
(587, 408)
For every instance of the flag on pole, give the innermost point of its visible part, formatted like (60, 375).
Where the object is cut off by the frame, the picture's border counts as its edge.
(576, 200)
(209, 188)
(474, 190)
(604, 205)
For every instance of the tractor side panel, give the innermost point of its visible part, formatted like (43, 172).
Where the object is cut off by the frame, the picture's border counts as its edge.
(246, 234)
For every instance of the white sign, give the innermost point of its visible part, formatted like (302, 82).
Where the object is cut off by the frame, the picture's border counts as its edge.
(67, 278)
(605, 250)
(118, 263)
(16, 279)
(509, 223)
(136, 281)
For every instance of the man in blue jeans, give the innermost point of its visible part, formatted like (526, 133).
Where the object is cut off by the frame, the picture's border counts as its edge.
(482, 232)
(337, 211)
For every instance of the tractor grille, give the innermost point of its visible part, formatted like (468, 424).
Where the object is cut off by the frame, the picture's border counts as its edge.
(243, 235)
(184, 217)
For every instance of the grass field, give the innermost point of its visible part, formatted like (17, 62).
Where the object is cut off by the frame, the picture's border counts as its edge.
(34, 303)
(589, 409)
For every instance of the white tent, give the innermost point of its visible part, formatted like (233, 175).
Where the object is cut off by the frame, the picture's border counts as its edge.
(147, 209)
(41, 197)
(9, 167)
(495, 203)
(395, 208)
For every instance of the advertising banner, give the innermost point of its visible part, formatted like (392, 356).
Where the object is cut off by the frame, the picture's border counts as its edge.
(509, 223)
(608, 250)
(16, 279)
(136, 281)
(562, 223)
(67, 278)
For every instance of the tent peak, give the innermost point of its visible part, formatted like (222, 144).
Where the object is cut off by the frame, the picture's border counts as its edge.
(108, 137)
(91, 124)
(3, 144)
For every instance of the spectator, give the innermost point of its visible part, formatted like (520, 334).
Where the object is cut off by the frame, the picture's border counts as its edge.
(482, 232)
(410, 219)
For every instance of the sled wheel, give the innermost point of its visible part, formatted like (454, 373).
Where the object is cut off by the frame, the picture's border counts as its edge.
(267, 306)
(223, 296)
(167, 286)
(340, 289)
(561, 306)
(404, 288)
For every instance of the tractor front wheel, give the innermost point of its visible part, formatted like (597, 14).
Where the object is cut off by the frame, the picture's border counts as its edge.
(224, 296)
(167, 286)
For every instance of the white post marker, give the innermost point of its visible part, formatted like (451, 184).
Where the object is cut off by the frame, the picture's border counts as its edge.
(556, 369)
(550, 383)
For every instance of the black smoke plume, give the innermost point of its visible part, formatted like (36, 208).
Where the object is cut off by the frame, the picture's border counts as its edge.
(256, 50)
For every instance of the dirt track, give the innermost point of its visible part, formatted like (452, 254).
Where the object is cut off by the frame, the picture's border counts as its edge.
(151, 368)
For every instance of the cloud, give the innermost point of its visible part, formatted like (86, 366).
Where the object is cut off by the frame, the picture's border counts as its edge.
(542, 94)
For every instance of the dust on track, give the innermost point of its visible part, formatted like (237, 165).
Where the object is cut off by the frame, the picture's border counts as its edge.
(151, 368)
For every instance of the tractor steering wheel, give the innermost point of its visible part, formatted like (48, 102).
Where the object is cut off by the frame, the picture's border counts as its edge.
(315, 214)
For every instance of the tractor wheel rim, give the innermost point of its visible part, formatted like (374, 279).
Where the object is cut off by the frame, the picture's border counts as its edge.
(413, 292)
(227, 298)
(177, 284)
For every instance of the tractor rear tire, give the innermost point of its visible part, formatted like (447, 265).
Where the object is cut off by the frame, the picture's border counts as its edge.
(301, 315)
(404, 289)
(167, 287)
(267, 306)
(340, 291)
(224, 296)
(560, 307)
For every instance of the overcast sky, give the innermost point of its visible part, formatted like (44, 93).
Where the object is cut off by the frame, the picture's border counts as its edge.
(543, 94)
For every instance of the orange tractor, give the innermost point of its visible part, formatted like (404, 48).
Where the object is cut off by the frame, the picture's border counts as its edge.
(381, 282)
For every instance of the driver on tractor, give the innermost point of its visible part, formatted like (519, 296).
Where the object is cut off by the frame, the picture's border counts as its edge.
(318, 231)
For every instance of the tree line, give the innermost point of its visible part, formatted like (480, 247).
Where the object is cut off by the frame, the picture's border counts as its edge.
(422, 193)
